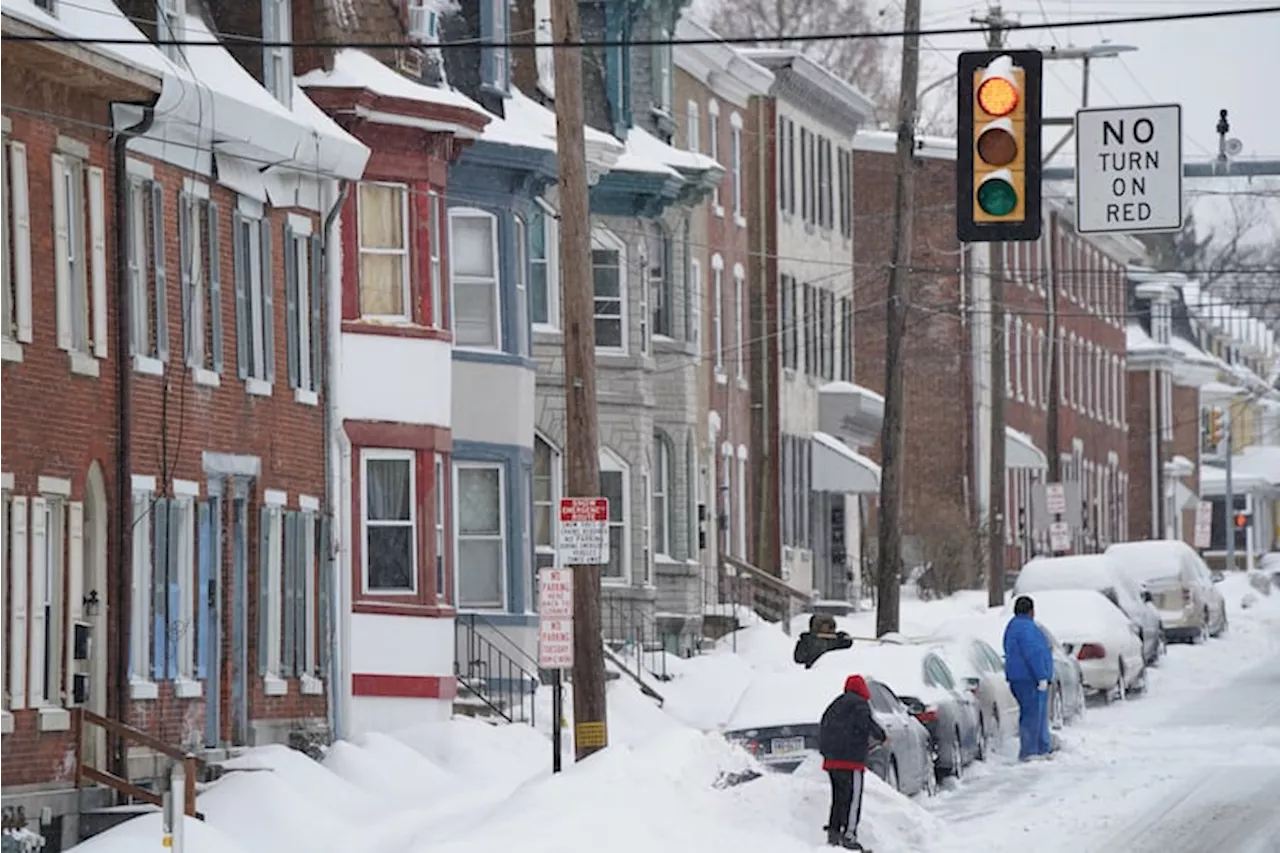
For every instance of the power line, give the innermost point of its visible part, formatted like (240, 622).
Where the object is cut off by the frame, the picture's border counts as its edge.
(741, 40)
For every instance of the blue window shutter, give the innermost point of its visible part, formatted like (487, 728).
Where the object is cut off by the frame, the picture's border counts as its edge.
(215, 286)
(303, 578)
(291, 307)
(185, 237)
(268, 304)
(317, 316)
(204, 577)
(324, 593)
(162, 283)
(159, 586)
(242, 259)
(264, 586)
(287, 586)
(174, 576)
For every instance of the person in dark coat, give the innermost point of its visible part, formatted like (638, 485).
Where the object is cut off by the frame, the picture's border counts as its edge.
(1028, 667)
(822, 637)
(844, 739)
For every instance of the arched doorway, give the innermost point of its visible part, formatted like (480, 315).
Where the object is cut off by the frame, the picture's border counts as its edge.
(96, 588)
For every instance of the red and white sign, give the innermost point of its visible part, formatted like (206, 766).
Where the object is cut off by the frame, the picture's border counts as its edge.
(555, 593)
(1055, 498)
(583, 539)
(1204, 524)
(1060, 536)
(555, 643)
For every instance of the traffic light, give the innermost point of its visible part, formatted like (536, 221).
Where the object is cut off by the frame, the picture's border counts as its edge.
(1213, 432)
(998, 146)
(1241, 520)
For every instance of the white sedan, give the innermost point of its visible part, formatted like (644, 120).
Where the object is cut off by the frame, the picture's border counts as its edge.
(1098, 634)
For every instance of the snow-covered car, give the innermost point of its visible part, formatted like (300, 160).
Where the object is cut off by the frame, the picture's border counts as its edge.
(1097, 572)
(980, 669)
(1067, 699)
(931, 692)
(1098, 634)
(777, 718)
(1178, 583)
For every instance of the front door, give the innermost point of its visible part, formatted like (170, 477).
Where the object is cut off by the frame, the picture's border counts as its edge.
(209, 615)
(94, 613)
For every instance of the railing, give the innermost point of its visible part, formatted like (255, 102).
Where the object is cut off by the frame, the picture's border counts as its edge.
(739, 586)
(491, 675)
(630, 629)
(82, 717)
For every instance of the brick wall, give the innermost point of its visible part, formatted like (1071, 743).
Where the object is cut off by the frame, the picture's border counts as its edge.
(1141, 520)
(1186, 442)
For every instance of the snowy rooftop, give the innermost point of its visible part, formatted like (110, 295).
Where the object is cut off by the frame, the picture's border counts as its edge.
(886, 142)
(532, 125)
(355, 69)
(648, 154)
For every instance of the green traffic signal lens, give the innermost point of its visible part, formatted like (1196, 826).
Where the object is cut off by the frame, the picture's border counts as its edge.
(997, 197)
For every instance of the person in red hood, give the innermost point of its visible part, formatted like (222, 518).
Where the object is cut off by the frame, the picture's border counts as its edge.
(844, 739)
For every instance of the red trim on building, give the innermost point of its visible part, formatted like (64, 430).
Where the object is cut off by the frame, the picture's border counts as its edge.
(359, 327)
(398, 435)
(404, 686)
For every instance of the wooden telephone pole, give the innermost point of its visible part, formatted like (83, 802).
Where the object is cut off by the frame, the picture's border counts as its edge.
(582, 432)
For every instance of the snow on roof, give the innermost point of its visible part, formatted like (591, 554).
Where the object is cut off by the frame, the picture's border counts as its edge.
(1191, 352)
(646, 153)
(355, 69)
(95, 19)
(531, 125)
(1077, 615)
(1137, 340)
(886, 142)
(1152, 559)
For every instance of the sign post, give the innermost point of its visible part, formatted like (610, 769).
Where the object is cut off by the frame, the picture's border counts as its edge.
(1129, 169)
(1204, 525)
(1056, 504)
(555, 643)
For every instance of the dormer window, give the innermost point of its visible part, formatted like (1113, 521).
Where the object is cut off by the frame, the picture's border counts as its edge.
(170, 27)
(423, 22)
(495, 57)
(662, 73)
(277, 59)
(1161, 322)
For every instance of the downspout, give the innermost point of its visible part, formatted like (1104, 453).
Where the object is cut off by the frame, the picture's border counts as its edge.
(333, 492)
(124, 421)
(1153, 427)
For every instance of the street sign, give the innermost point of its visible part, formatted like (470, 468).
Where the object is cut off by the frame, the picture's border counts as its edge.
(555, 643)
(1204, 524)
(1129, 169)
(1059, 536)
(584, 531)
(1055, 498)
(555, 593)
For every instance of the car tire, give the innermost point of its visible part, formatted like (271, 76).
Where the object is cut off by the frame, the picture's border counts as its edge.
(957, 758)
(1139, 685)
(1057, 714)
(1202, 636)
(982, 738)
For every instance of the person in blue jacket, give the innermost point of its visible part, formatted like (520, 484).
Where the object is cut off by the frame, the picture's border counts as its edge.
(1028, 667)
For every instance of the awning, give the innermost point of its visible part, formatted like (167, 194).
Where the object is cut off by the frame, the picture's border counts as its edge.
(1021, 452)
(1183, 498)
(836, 467)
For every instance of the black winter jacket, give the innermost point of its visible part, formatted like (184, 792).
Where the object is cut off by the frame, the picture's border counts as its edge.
(846, 732)
(810, 647)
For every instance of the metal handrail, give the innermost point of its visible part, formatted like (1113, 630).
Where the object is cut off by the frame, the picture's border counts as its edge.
(491, 675)
(632, 628)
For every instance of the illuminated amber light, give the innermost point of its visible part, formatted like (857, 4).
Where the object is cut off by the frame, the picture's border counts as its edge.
(998, 96)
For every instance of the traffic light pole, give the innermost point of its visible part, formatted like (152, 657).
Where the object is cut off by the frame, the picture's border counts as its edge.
(1229, 504)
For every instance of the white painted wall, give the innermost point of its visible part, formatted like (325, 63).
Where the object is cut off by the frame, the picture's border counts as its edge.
(493, 403)
(400, 380)
(401, 645)
(392, 713)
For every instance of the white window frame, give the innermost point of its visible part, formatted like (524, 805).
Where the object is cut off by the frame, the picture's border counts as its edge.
(307, 387)
(15, 326)
(612, 462)
(1043, 344)
(664, 72)
(544, 57)
(741, 500)
(713, 150)
(368, 454)
(1016, 358)
(740, 321)
(735, 122)
(273, 684)
(257, 373)
(494, 284)
(551, 263)
(171, 26)
(185, 498)
(277, 26)
(423, 22)
(1008, 356)
(603, 240)
(406, 316)
(717, 315)
(141, 685)
(557, 489)
(443, 479)
(693, 127)
(435, 216)
(80, 273)
(725, 498)
(311, 676)
(662, 489)
(469, 465)
(695, 301)
(202, 304)
(522, 285)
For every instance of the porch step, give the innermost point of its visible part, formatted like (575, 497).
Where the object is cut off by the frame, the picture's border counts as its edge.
(97, 821)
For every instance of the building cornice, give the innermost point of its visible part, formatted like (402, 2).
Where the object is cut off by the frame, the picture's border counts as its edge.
(720, 67)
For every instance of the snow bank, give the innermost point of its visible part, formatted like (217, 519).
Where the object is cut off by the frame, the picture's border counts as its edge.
(146, 832)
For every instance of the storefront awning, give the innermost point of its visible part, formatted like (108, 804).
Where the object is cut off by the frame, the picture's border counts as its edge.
(1021, 452)
(836, 467)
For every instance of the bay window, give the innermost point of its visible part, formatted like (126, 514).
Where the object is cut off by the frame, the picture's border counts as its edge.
(480, 535)
(546, 494)
(389, 521)
(474, 268)
(384, 251)
(615, 485)
(544, 281)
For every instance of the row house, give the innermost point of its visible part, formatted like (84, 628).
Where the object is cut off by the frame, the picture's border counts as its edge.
(714, 88)
(810, 419)
(165, 536)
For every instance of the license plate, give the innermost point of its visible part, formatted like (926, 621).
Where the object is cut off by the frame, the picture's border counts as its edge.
(786, 746)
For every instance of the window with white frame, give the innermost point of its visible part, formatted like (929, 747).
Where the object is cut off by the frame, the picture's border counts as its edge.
(546, 495)
(693, 486)
(663, 72)
(1016, 358)
(646, 526)
(735, 122)
(717, 312)
(609, 275)
(615, 485)
(725, 502)
(693, 127)
(15, 319)
(181, 618)
(694, 320)
(300, 640)
(149, 285)
(713, 149)
(48, 594)
(271, 560)
(255, 311)
(389, 522)
(1117, 381)
(383, 211)
(423, 22)
(480, 555)
(522, 287)
(544, 262)
(80, 275)
(304, 297)
(440, 483)
(474, 270)
(435, 218)
(495, 61)
(141, 648)
(740, 321)
(661, 286)
(1060, 361)
(277, 56)
(740, 501)
(200, 270)
(170, 27)
(1008, 356)
(662, 489)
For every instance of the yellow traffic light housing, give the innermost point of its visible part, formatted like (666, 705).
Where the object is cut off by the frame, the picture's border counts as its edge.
(998, 157)
(1213, 430)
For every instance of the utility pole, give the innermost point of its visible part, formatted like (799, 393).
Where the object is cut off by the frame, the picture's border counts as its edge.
(996, 24)
(888, 578)
(582, 440)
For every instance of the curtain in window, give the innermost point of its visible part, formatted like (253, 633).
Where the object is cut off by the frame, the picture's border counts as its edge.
(389, 510)
(479, 537)
(383, 253)
(474, 281)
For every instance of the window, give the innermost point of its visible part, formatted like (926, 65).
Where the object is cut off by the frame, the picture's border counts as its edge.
(693, 127)
(180, 578)
(615, 486)
(300, 639)
(544, 263)
(388, 518)
(713, 149)
(662, 73)
(271, 606)
(474, 266)
(255, 312)
(741, 501)
(824, 182)
(48, 594)
(812, 187)
(384, 251)
(740, 322)
(846, 339)
(786, 310)
(792, 328)
(80, 265)
(846, 194)
(1016, 358)
(663, 492)
(806, 319)
(149, 289)
(544, 57)
(717, 312)
(785, 178)
(141, 650)
(646, 527)
(522, 287)
(15, 324)
(494, 61)
(277, 59)
(660, 285)
(200, 269)
(727, 517)
(695, 302)
(806, 166)
(546, 494)
(304, 297)
(736, 121)
(610, 295)
(480, 543)
(423, 22)
(693, 485)
(170, 26)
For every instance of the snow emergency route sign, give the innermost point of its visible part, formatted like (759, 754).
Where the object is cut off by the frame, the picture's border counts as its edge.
(555, 618)
(584, 531)
(1129, 169)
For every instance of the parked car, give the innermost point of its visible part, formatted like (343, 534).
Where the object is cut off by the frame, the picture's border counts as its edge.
(1097, 572)
(1098, 634)
(980, 668)
(931, 692)
(1178, 583)
(777, 718)
(1067, 692)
